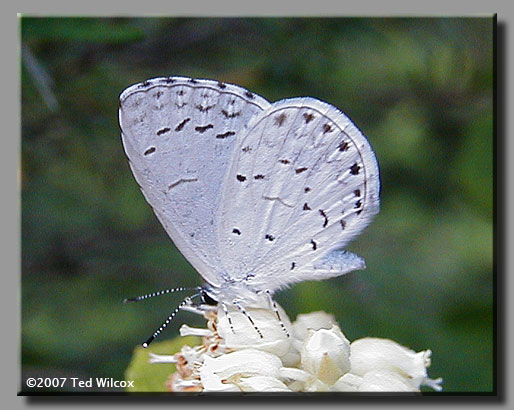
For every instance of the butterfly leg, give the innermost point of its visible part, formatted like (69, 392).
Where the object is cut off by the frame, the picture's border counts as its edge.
(275, 309)
(225, 310)
(244, 312)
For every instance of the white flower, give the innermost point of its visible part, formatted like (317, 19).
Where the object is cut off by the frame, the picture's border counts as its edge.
(314, 355)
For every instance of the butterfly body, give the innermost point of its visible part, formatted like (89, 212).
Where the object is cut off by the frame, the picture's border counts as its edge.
(239, 291)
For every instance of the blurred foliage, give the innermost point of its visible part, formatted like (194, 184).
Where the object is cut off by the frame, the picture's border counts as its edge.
(419, 88)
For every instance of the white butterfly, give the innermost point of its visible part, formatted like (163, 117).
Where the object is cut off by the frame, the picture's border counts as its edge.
(256, 196)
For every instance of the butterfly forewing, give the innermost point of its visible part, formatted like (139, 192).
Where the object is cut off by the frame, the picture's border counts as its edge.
(179, 134)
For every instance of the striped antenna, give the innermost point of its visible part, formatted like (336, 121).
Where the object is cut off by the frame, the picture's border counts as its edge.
(159, 293)
(168, 320)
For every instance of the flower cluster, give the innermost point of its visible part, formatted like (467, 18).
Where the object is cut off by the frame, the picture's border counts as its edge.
(309, 355)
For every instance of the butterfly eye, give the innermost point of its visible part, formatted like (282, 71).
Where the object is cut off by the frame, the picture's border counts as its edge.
(207, 299)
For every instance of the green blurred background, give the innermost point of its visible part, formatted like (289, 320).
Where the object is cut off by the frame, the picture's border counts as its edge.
(420, 89)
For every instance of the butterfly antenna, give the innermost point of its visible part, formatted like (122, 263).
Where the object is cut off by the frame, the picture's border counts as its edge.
(167, 321)
(159, 293)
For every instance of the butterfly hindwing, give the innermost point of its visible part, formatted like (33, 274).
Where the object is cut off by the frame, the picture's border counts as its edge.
(302, 182)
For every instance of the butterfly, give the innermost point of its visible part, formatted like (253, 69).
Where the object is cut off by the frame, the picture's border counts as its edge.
(256, 195)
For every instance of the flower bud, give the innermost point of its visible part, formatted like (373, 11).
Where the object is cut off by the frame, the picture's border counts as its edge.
(326, 354)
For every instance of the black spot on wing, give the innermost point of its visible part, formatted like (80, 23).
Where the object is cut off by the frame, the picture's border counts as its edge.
(326, 128)
(324, 215)
(354, 169)
(180, 126)
(280, 119)
(163, 130)
(226, 114)
(344, 146)
(203, 108)
(308, 117)
(202, 129)
(149, 151)
(225, 135)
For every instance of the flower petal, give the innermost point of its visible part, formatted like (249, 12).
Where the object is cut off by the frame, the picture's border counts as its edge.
(217, 373)
(386, 381)
(314, 320)
(372, 354)
(347, 382)
(262, 384)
